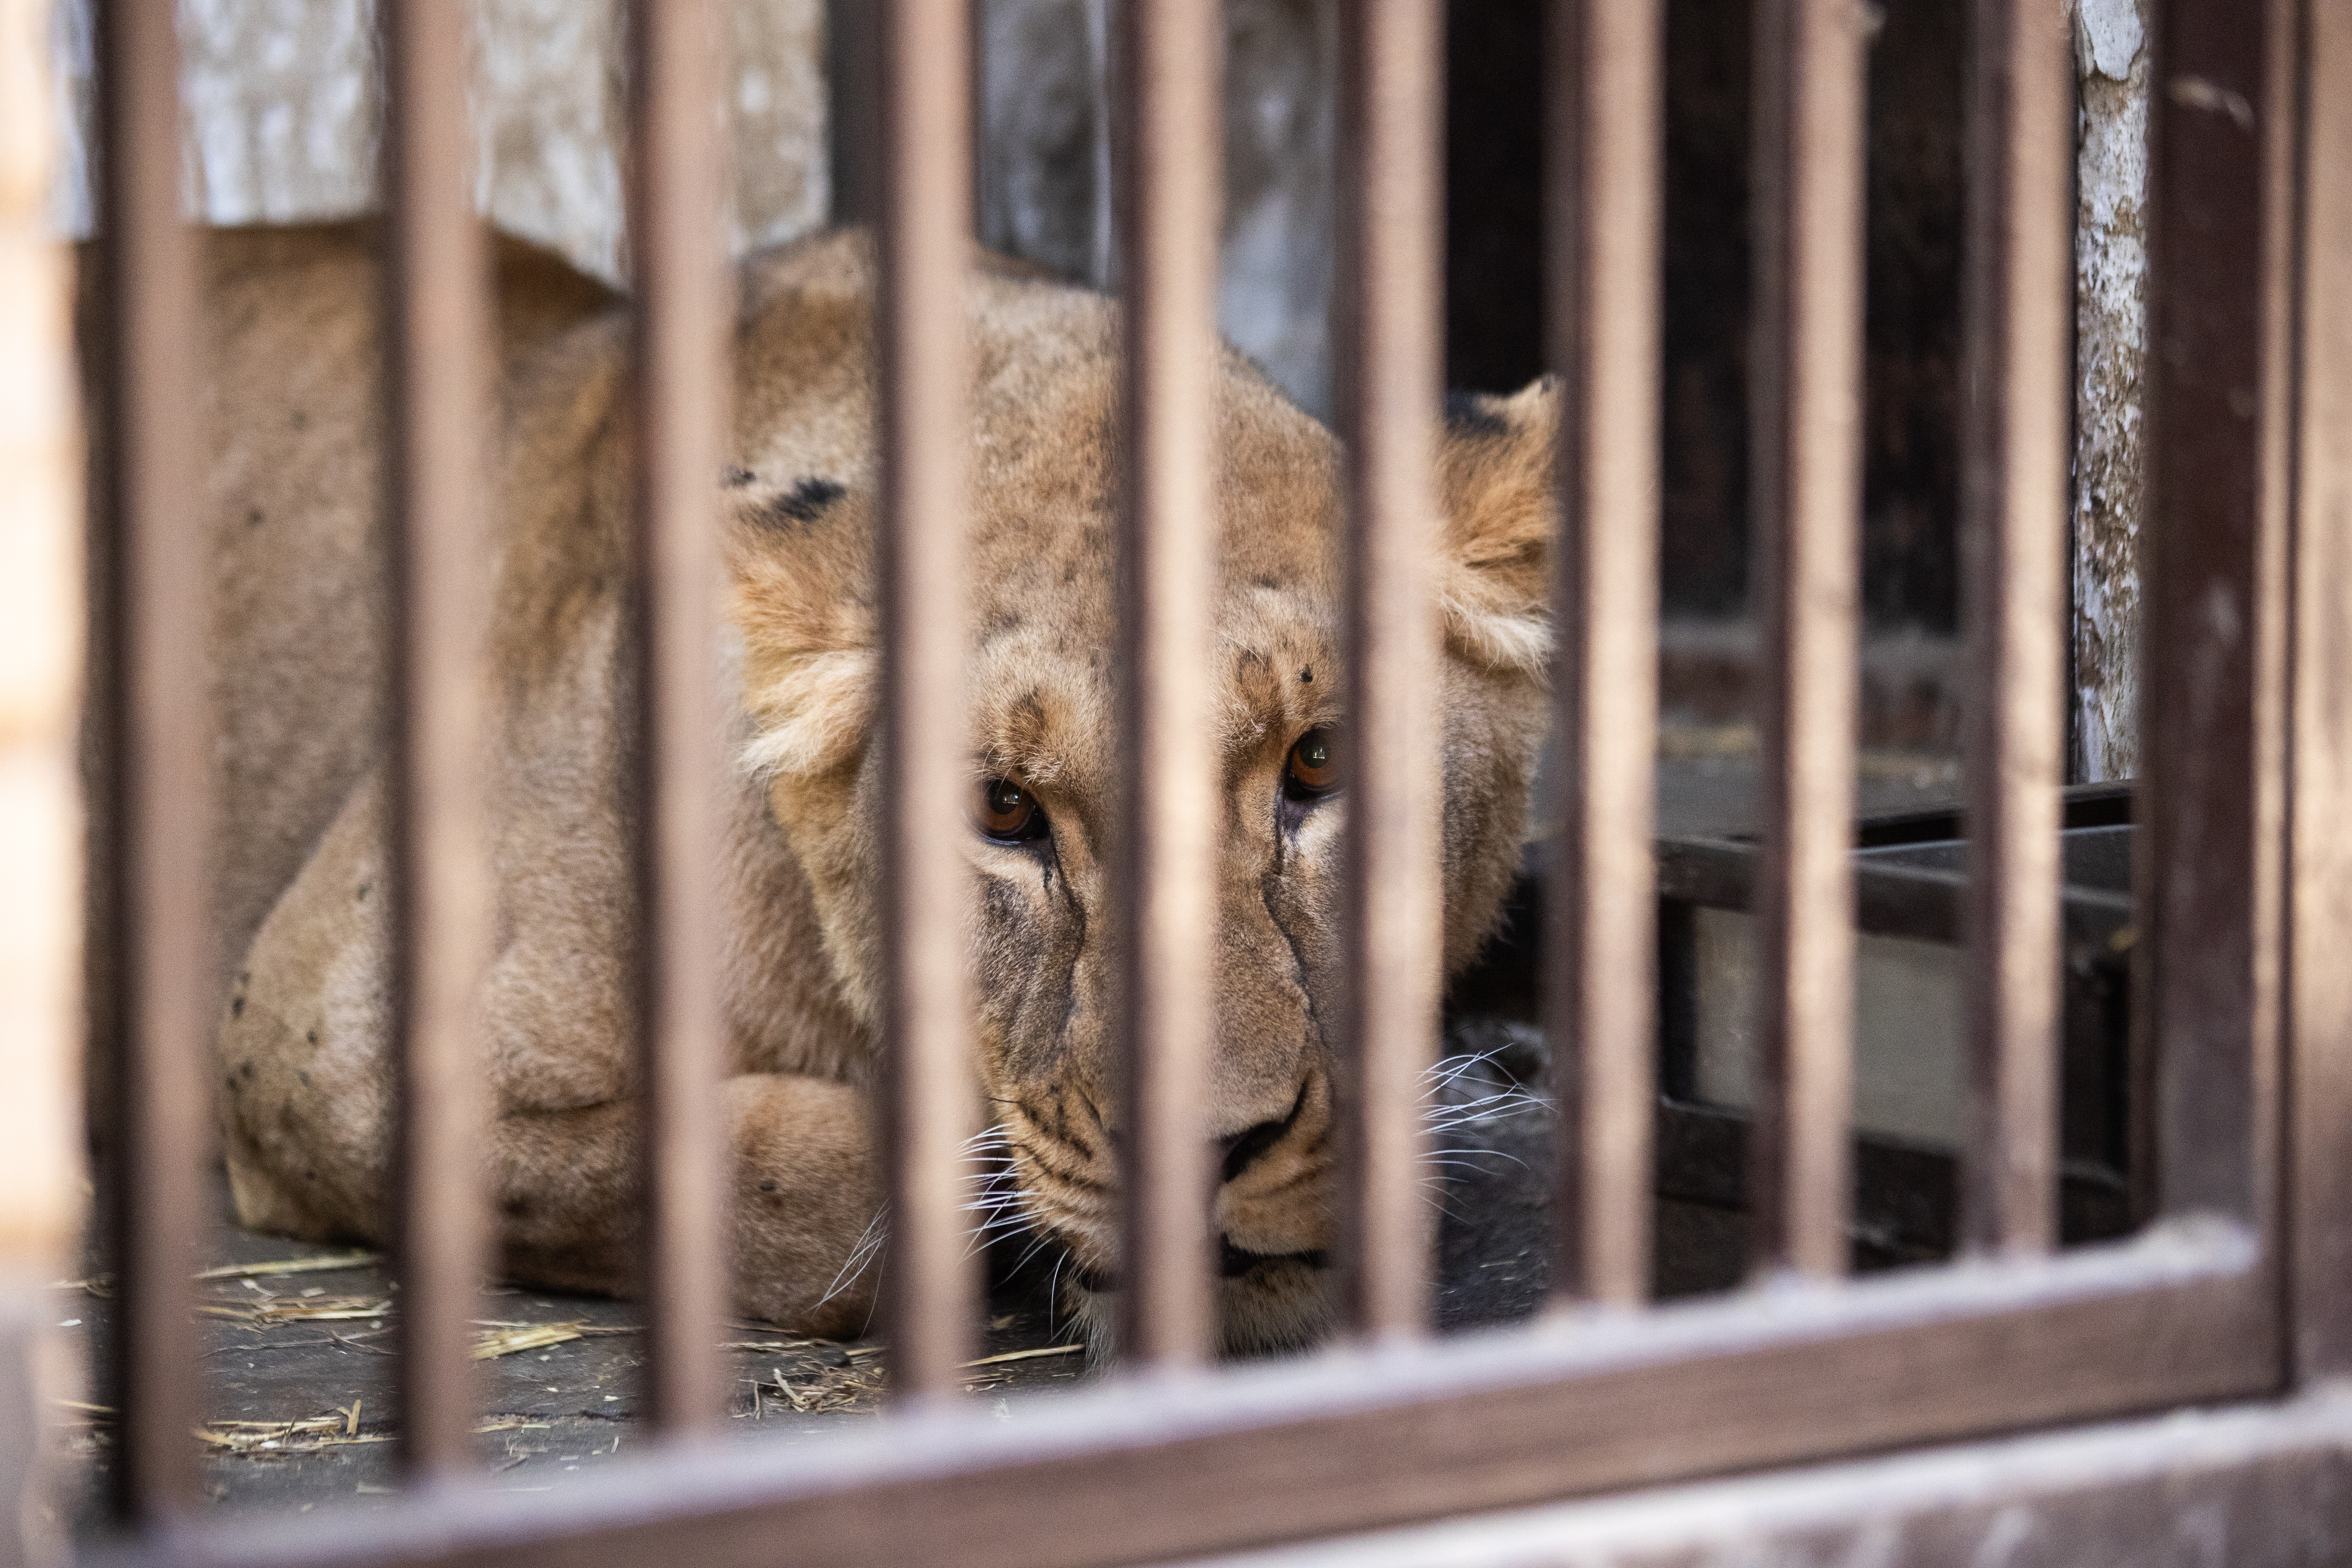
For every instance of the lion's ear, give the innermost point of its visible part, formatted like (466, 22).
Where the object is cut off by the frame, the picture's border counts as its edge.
(800, 555)
(1495, 483)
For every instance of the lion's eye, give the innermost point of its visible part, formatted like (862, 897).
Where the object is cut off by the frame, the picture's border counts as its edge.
(1004, 810)
(1313, 768)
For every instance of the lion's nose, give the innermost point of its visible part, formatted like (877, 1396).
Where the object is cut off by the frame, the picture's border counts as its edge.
(1251, 1144)
(1247, 1148)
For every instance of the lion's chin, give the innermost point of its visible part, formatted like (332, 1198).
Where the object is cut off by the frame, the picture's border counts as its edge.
(1276, 1306)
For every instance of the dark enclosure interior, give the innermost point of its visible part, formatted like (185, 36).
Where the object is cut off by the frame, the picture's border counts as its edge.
(1493, 271)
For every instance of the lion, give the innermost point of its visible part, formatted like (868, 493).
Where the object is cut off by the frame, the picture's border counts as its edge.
(304, 1083)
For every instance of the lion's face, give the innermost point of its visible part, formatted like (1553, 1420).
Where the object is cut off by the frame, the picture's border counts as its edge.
(1047, 763)
(1046, 769)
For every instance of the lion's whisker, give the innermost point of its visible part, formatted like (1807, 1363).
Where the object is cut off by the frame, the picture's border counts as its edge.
(869, 1243)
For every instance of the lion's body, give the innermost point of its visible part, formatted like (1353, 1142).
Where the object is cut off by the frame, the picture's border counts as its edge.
(304, 1095)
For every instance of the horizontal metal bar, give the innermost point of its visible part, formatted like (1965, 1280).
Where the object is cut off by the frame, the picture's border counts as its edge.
(1923, 903)
(1363, 1439)
(2264, 1476)
(1904, 1192)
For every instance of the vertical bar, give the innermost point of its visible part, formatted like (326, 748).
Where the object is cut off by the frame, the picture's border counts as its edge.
(2211, 812)
(2321, 911)
(159, 736)
(41, 861)
(679, 339)
(1173, 174)
(1806, 505)
(438, 324)
(1388, 376)
(2020, 305)
(1603, 224)
(926, 211)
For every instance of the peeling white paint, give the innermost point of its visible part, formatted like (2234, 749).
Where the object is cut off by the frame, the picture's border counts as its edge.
(282, 102)
(282, 99)
(2111, 343)
(2108, 36)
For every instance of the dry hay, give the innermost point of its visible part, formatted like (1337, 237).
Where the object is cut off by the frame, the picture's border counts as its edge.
(333, 1264)
(821, 1391)
(506, 1338)
(1025, 1355)
(824, 1390)
(272, 1309)
(305, 1434)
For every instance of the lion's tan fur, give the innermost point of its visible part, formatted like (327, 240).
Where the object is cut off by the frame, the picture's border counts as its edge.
(303, 1092)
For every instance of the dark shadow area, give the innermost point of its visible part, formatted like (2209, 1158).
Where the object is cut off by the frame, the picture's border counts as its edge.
(1493, 300)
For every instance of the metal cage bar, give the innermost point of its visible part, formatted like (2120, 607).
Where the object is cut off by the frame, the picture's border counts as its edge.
(1280, 1452)
(2211, 810)
(2320, 914)
(1603, 220)
(1806, 505)
(2019, 303)
(150, 561)
(681, 429)
(438, 327)
(925, 205)
(1404, 1430)
(1173, 188)
(1388, 374)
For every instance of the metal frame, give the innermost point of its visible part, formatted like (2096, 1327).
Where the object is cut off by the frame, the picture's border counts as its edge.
(1387, 1426)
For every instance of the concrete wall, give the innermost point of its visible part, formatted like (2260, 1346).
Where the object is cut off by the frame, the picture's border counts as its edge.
(282, 99)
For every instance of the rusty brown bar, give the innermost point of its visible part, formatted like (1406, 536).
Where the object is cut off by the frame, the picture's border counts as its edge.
(1173, 171)
(1806, 505)
(926, 229)
(437, 323)
(681, 421)
(2211, 807)
(1603, 259)
(1387, 379)
(154, 553)
(2320, 994)
(2019, 306)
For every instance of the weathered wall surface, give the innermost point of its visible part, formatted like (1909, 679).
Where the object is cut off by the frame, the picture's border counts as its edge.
(1045, 165)
(2111, 339)
(281, 99)
(282, 102)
